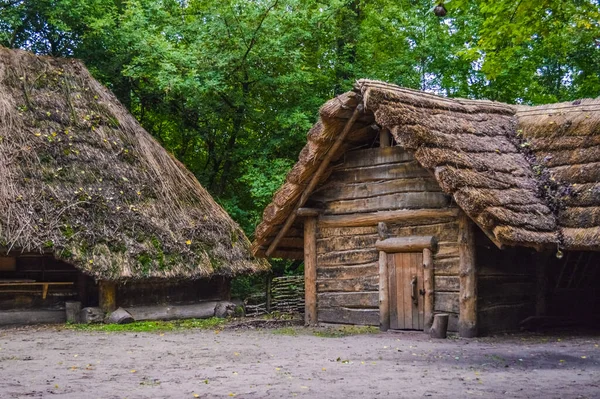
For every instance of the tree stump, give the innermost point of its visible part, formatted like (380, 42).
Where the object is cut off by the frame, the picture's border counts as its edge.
(91, 315)
(439, 329)
(119, 316)
(72, 310)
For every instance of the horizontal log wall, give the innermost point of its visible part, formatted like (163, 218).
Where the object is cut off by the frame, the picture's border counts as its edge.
(505, 285)
(378, 180)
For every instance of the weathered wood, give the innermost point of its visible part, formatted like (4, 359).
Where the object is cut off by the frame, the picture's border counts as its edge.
(108, 295)
(119, 316)
(383, 231)
(349, 299)
(447, 284)
(27, 317)
(416, 200)
(348, 285)
(344, 243)
(384, 293)
(310, 271)
(348, 272)
(333, 232)
(446, 249)
(385, 138)
(447, 302)
(196, 311)
(406, 284)
(439, 329)
(72, 310)
(372, 218)
(308, 212)
(406, 244)
(314, 180)
(404, 170)
(342, 315)
(428, 283)
(467, 322)
(446, 267)
(224, 309)
(354, 257)
(376, 156)
(351, 191)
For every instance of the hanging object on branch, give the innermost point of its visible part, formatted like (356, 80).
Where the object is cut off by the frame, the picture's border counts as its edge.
(440, 10)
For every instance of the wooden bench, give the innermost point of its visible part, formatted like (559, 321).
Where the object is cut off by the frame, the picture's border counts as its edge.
(30, 283)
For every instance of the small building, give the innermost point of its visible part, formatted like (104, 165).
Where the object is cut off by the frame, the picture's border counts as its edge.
(92, 208)
(404, 204)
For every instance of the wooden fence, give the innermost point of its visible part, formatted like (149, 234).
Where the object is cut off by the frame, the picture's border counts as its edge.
(282, 294)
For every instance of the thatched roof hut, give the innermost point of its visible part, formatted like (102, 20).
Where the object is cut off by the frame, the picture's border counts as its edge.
(404, 204)
(82, 179)
(527, 176)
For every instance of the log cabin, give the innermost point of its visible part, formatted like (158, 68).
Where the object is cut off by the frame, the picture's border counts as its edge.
(93, 209)
(404, 204)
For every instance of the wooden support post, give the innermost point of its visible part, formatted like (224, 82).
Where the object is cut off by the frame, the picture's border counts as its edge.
(310, 271)
(429, 289)
(385, 138)
(467, 318)
(108, 295)
(384, 292)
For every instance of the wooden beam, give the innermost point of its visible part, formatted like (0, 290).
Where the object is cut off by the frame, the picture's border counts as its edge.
(108, 295)
(384, 292)
(314, 180)
(385, 138)
(372, 218)
(308, 212)
(428, 277)
(406, 244)
(310, 271)
(467, 318)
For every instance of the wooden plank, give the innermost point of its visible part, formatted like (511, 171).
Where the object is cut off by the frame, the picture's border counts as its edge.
(354, 257)
(346, 243)
(385, 138)
(428, 286)
(445, 232)
(310, 271)
(308, 212)
(330, 232)
(405, 283)
(348, 285)
(393, 290)
(107, 295)
(376, 156)
(342, 315)
(405, 244)
(372, 218)
(446, 302)
(348, 272)
(405, 170)
(467, 319)
(416, 200)
(417, 271)
(334, 190)
(314, 180)
(349, 299)
(384, 293)
(446, 267)
(447, 283)
(446, 249)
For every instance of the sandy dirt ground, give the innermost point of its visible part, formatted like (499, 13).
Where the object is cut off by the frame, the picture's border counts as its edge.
(58, 363)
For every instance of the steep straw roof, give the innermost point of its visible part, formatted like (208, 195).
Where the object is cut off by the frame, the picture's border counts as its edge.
(523, 178)
(82, 179)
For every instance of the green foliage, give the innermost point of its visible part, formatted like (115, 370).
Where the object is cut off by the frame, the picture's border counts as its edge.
(232, 87)
(152, 326)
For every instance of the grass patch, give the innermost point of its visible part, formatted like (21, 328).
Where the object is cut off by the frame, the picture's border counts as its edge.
(286, 331)
(345, 331)
(151, 326)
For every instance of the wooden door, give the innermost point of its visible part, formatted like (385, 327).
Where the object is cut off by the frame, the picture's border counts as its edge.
(406, 290)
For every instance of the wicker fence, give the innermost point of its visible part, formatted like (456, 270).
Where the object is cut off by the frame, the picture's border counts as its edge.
(282, 294)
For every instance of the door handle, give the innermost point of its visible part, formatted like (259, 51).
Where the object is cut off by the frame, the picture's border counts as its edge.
(413, 290)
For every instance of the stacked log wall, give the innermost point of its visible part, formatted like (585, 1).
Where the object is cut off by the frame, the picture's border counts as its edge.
(378, 180)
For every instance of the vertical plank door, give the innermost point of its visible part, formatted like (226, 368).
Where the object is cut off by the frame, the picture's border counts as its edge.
(406, 290)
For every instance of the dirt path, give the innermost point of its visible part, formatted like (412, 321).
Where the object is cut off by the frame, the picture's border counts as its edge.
(261, 364)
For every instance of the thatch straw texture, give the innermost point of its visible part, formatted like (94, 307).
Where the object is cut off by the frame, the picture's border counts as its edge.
(82, 179)
(527, 176)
